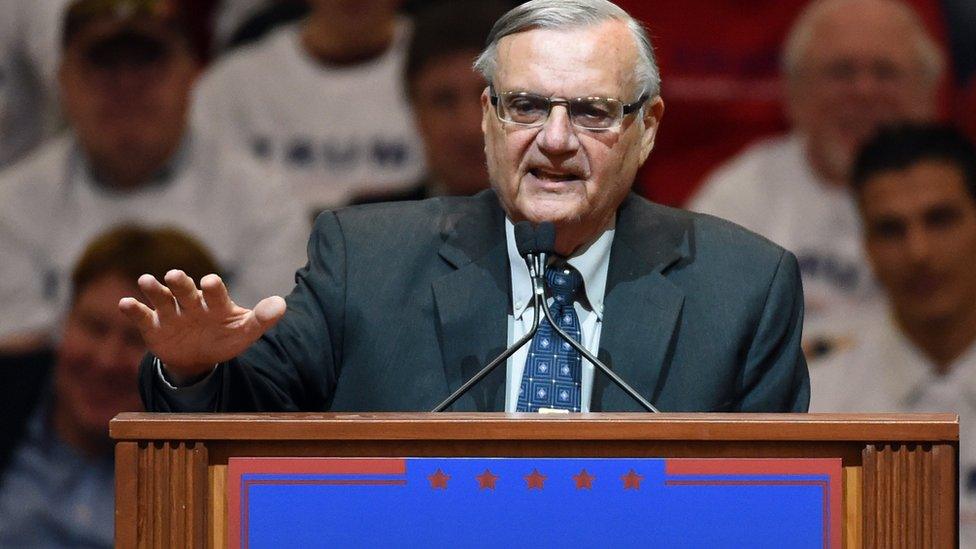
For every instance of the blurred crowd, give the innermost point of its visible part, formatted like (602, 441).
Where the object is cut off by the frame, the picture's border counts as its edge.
(139, 135)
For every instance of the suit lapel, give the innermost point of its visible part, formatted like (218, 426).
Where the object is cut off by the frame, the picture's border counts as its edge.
(472, 302)
(641, 306)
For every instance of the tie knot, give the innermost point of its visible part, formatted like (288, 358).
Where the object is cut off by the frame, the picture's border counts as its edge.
(565, 282)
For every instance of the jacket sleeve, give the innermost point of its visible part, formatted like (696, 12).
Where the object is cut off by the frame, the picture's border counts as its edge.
(294, 366)
(775, 377)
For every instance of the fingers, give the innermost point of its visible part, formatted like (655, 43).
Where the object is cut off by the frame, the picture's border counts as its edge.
(143, 317)
(158, 295)
(215, 293)
(180, 294)
(265, 314)
(189, 298)
(269, 311)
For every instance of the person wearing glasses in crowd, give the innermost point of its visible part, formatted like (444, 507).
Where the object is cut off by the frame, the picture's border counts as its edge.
(125, 82)
(850, 66)
(400, 303)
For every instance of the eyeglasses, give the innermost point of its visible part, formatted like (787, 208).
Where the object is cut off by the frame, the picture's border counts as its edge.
(588, 113)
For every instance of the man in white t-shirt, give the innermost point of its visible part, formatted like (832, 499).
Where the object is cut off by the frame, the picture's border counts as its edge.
(849, 66)
(916, 187)
(125, 82)
(445, 97)
(29, 54)
(322, 102)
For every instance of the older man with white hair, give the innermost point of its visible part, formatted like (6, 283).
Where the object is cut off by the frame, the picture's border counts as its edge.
(850, 67)
(400, 303)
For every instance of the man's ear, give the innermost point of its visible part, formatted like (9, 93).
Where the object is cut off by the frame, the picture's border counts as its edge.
(485, 109)
(653, 112)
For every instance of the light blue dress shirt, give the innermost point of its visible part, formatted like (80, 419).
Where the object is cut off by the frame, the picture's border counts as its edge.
(592, 264)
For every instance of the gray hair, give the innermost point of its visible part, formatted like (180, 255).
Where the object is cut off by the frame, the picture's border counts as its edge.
(566, 14)
(800, 38)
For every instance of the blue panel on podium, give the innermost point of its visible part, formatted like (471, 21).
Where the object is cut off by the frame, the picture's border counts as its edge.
(536, 502)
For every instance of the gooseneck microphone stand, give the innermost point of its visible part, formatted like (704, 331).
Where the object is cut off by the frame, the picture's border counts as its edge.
(526, 241)
(599, 365)
(536, 245)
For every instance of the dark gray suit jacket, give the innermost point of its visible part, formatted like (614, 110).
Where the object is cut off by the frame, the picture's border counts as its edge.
(400, 303)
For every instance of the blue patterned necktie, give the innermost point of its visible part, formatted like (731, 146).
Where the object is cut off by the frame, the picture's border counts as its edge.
(551, 378)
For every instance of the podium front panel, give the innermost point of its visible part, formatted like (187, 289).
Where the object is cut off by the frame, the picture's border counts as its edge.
(899, 471)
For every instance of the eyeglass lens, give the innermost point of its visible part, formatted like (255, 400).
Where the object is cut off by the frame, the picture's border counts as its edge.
(585, 112)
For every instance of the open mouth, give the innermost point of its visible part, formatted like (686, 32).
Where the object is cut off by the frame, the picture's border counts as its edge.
(546, 175)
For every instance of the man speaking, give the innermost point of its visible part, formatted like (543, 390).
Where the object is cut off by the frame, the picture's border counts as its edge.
(399, 304)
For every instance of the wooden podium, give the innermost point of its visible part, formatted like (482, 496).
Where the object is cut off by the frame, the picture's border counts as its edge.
(900, 471)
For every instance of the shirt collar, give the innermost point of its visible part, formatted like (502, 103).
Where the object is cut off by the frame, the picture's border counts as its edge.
(593, 262)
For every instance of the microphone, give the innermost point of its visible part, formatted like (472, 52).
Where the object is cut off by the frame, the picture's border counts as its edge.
(535, 250)
(536, 253)
(535, 245)
(618, 381)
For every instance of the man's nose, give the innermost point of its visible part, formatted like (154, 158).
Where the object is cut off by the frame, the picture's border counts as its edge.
(865, 84)
(558, 136)
(918, 244)
(872, 82)
(111, 353)
(129, 79)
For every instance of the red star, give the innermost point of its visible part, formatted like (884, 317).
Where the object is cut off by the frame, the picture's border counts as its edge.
(486, 480)
(438, 481)
(535, 480)
(632, 480)
(584, 480)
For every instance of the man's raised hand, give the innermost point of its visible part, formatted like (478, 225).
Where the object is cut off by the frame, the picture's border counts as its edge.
(189, 329)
